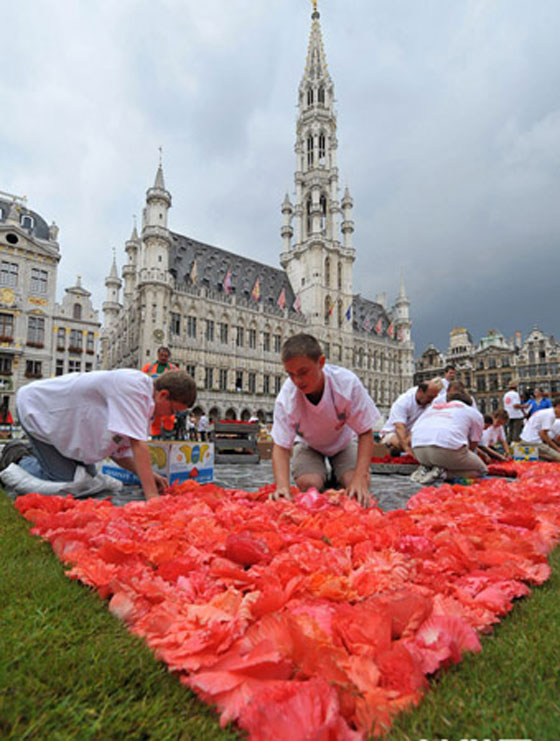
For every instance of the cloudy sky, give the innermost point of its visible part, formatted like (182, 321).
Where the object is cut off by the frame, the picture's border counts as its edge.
(449, 138)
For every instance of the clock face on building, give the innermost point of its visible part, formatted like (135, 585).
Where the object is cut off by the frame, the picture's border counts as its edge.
(158, 335)
(7, 296)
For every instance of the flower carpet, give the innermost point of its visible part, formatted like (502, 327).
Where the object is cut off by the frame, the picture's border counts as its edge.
(311, 619)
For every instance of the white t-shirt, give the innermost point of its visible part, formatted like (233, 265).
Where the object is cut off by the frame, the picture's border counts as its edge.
(203, 424)
(449, 425)
(511, 398)
(442, 396)
(345, 410)
(555, 428)
(538, 421)
(88, 416)
(405, 410)
(493, 435)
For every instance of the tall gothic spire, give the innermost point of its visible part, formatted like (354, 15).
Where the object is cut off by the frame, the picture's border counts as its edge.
(316, 64)
(317, 250)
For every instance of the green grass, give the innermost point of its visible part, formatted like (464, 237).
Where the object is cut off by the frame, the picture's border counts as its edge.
(70, 670)
(510, 690)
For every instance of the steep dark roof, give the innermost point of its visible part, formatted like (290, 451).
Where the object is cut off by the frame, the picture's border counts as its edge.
(369, 317)
(40, 228)
(212, 265)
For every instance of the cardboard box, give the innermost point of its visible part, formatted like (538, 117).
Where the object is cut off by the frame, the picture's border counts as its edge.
(177, 460)
(523, 452)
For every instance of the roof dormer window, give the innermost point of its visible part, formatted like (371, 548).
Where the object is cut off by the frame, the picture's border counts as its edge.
(27, 222)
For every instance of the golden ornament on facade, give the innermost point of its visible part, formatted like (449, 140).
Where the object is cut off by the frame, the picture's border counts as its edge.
(7, 296)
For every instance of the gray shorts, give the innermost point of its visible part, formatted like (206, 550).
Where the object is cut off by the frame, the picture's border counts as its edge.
(307, 460)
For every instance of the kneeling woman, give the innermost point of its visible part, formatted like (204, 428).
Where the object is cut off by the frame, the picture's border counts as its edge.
(445, 436)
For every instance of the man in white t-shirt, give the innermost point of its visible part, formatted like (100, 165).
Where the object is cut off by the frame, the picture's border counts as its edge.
(204, 427)
(446, 435)
(81, 418)
(326, 411)
(539, 431)
(406, 409)
(514, 408)
(449, 374)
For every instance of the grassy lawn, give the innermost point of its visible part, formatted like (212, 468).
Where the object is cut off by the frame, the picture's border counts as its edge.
(69, 670)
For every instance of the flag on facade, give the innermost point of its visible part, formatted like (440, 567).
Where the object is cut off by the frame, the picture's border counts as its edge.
(391, 330)
(256, 292)
(331, 309)
(297, 304)
(282, 299)
(379, 326)
(194, 273)
(348, 314)
(367, 324)
(227, 282)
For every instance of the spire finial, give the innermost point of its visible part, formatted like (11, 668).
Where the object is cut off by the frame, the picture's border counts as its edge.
(160, 150)
(315, 13)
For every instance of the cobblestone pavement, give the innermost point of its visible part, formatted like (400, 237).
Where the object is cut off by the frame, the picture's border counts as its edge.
(392, 491)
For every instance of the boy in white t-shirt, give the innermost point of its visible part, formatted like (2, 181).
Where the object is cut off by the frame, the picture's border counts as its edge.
(539, 432)
(493, 440)
(81, 418)
(322, 409)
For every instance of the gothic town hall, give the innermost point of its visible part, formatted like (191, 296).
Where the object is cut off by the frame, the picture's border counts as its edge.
(225, 317)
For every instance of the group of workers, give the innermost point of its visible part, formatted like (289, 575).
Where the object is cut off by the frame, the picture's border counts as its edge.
(438, 423)
(322, 414)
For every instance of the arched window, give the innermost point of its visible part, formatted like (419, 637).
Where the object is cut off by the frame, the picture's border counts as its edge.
(27, 221)
(322, 149)
(340, 314)
(310, 96)
(308, 215)
(328, 309)
(321, 94)
(327, 272)
(310, 150)
(77, 311)
(339, 276)
(323, 204)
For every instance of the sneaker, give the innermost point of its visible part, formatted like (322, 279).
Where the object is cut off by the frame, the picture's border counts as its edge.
(419, 474)
(13, 452)
(432, 475)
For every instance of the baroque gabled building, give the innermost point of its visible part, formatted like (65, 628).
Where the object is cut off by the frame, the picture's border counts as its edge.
(225, 317)
(35, 331)
(487, 367)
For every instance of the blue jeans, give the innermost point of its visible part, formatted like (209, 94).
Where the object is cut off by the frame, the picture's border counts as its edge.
(49, 464)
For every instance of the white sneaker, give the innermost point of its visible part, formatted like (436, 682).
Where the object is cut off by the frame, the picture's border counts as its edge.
(419, 474)
(433, 474)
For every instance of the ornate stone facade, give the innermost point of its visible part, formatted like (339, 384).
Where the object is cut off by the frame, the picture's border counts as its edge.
(31, 322)
(487, 367)
(225, 317)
